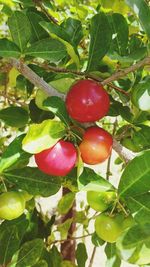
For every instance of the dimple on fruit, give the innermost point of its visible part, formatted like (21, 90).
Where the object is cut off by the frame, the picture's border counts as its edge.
(87, 101)
(58, 160)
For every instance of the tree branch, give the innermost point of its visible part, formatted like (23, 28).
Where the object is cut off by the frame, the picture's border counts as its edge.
(34, 78)
(49, 16)
(123, 152)
(121, 73)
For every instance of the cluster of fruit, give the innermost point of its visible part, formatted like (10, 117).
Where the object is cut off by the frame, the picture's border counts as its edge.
(87, 101)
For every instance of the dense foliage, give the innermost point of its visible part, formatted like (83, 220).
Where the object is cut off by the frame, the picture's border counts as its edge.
(46, 48)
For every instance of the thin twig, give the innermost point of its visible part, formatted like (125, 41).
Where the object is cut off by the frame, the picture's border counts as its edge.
(92, 257)
(121, 73)
(71, 238)
(34, 78)
(49, 16)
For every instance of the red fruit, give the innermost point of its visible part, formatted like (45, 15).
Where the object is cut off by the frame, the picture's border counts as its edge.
(57, 160)
(87, 101)
(96, 145)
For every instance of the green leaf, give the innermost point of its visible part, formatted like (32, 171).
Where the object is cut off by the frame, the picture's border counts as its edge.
(135, 178)
(58, 33)
(120, 32)
(63, 228)
(33, 181)
(14, 116)
(56, 105)
(48, 49)
(19, 26)
(81, 255)
(14, 156)
(141, 95)
(90, 181)
(41, 263)
(133, 245)
(74, 29)
(96, 240)
(9, 49)
(62, 84)
(28, 254)
(43, 136)
(37, 32)
(55, 257)
(58, 30)
(37, 114)
(65, 203)
(141, 138)
(142, 10)
(11, 233)
(112, 258)
(100, 41)
(140, 207)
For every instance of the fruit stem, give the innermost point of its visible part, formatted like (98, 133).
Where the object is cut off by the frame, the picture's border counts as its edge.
(2, 180)
(123, 209)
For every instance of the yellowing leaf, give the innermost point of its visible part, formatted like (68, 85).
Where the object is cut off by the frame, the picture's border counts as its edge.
(43, 136)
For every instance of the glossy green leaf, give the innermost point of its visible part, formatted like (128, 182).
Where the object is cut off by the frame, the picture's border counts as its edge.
(56, 105)
(135, 178)
(90, 181)
(120, 32)
(48, 49)
(58, 33)
(81, 255)
(100, 40)
(63, 228)
(9, 49)
(142, 10)
(19, 26)
(14, 116)
(33, 181)
(37, 32)
(73, 27)
(140, 207)
(96, 240)
(28, 254)
(141, 95)
(65, 203)
(41, 263)
(58, 30)
(43, 136)
(62, 85)
(37, 114)
(112, 258)
(11, 233)
(55, 257)
(14, 156)
(133, 245)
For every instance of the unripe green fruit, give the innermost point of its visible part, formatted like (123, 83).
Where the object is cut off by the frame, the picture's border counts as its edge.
(109, 228)
(100, 201)
(12, 205)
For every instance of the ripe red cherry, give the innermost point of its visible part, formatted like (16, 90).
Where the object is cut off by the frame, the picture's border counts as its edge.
(96, 145)
(57, 160)
(87, 101)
